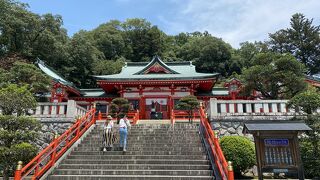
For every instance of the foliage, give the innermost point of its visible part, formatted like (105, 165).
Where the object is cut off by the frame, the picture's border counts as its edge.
(308, 101)
(102, 67)
(188, 103)
(15, 135)
(240, 151)
(119, 107)
(208, 53)
(310, 157)
(302, 40)
(276, 76)
(14, 99)
(310, 147)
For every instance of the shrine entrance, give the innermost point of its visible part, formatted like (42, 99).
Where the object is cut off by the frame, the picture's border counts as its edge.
(157, 107)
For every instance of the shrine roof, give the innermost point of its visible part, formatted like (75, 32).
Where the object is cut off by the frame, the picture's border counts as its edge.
(54, 75)
(315, 77)
(220, 91)
(157, 70)
(95, 93)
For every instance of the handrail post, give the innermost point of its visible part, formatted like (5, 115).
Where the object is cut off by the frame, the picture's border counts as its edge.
(230, 171)
(94, 112)
(53, 156)
(17, 174)
(100, 116)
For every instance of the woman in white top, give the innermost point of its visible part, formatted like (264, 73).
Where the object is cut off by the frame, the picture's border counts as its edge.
(123, 131)
(108, 135)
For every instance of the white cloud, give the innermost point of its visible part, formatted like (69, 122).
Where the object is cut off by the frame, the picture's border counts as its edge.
(237, 21)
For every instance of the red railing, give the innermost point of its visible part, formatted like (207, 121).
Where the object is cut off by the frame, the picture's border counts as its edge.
(47, 157)
(134, 116)
(223, 168)
(172, 117)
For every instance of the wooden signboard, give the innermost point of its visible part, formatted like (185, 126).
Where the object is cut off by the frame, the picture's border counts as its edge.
(277, 148)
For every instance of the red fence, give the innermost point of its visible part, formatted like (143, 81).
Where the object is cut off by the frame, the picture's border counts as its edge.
(223, 169)
(47, 157)
(133, 116)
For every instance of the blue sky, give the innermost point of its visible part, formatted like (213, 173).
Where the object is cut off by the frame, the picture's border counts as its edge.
(234, 21)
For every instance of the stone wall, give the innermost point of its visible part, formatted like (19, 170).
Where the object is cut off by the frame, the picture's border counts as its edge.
(48, 131)
(229, 128)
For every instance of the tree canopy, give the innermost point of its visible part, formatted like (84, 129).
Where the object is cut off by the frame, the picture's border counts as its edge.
(302, 40)
(275, 76)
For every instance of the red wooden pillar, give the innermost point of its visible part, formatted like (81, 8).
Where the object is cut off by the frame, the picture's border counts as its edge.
(142, 107)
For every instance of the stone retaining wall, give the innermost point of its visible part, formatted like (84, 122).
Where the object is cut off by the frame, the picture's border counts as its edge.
(48, 131)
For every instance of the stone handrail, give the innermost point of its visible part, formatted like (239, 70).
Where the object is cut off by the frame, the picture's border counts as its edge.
(225, 108)
(62, 111)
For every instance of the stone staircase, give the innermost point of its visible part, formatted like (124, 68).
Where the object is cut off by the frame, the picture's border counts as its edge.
(155, 151)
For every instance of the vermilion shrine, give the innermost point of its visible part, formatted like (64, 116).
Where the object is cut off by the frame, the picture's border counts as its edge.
(153, 86)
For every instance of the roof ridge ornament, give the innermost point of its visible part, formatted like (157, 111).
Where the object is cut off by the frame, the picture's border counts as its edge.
(156, 66)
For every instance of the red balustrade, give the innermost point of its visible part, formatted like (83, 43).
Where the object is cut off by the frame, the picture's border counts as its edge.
(223, 168)
(46, 159)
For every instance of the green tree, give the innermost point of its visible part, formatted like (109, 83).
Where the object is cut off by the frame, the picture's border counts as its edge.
(275, 76)
(28, 74)
(82, 55)
(14, 99)
(208, 53)
(309, 102)
(142, 40)
(188, 103)
(119, 107)
(108, 38)
(105, 67)
(16, 134)
(302, 40)
(29, 34)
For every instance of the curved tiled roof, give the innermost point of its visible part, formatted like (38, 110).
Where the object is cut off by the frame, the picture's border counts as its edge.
(180, 70)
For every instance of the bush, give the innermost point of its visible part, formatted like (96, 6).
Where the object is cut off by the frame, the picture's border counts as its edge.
(310, 158)
(240, 151)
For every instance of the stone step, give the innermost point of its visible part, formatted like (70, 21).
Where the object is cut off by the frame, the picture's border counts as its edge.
(142, 144)
(126, 177)
(111, 156)
(129, 148)
(159, 138)
(136, 161)
(153, 132)
(136, 153)
(132, 172)
(136, 166)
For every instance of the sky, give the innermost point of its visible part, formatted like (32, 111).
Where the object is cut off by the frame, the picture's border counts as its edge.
(234, 21)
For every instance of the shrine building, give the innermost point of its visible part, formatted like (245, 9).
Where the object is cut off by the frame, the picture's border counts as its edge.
(154, 86)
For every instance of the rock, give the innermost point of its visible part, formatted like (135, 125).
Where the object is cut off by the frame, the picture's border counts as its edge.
(232, 131)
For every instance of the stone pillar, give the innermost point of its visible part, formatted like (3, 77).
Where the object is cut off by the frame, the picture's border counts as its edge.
(213, 107)
(71, 109)
(265, 108)
(283, 108)
(61, 109)
(46, 110)
(223, 108)
(240, 108)
(231, 106)
(249, 110)
(274, 108)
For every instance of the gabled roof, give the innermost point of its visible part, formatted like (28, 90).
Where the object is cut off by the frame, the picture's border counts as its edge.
(156, 66)
(166, 71)
(55, 76)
